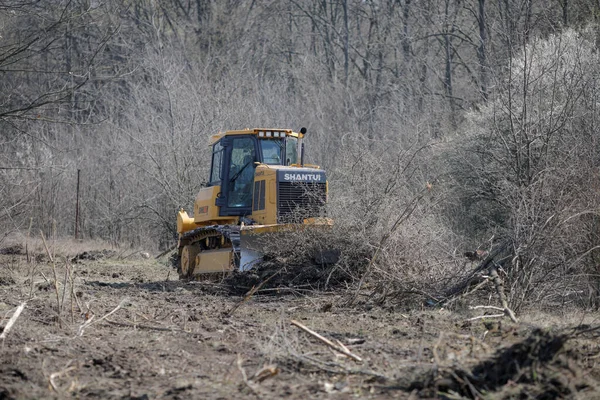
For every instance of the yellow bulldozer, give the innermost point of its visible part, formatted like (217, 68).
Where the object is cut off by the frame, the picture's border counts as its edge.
(258, 185)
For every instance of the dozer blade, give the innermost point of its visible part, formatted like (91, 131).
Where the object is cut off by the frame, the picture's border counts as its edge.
(251, 250)
(256, 239)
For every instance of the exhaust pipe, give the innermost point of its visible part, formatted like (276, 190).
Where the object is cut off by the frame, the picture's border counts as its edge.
(301, 145)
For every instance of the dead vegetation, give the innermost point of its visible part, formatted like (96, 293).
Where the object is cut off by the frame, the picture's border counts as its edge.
(114, 328)
(304, 262)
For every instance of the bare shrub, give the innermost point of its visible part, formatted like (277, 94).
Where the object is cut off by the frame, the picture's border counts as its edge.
(385, 200)
(521, 168)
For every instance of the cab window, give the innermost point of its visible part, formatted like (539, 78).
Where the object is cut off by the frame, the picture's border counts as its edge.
(241, 172)
(271, 151)
(291, 151)
(217, 157)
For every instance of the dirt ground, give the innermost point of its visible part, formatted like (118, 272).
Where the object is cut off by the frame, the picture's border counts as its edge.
(126, 328)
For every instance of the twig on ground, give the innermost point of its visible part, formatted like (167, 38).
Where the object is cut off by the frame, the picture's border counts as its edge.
(58, 374)
(264, 373)
(12, 320)
(486, 308)
(142, 326)
(91, 320)
(45, 278)
(342, 345)
(486, 316)
(250, 385)
(337, 368)
(326, 341)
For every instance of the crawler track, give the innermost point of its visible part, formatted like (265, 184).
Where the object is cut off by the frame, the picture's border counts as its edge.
(226, 235)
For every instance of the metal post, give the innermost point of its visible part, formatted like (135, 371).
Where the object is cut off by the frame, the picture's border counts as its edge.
(77, 208)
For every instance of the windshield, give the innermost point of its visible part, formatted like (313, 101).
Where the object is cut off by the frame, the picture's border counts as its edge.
(271, 151)
(291, 151)
(274, 149)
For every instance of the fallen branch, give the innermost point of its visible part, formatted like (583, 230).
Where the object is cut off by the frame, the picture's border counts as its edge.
(12, 321)
(326, 341)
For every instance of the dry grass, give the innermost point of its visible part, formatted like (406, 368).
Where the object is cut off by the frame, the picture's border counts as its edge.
(65, 247)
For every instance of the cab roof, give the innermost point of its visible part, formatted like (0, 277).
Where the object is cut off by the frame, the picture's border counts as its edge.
(255, 131)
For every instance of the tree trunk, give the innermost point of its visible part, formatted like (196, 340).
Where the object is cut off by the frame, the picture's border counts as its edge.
(481, 51)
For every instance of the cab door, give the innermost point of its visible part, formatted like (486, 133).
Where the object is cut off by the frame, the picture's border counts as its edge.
(237, 173)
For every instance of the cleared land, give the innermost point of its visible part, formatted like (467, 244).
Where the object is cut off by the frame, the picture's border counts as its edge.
(124, 327)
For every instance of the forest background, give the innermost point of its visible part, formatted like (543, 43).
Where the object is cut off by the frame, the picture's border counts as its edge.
(445, 126)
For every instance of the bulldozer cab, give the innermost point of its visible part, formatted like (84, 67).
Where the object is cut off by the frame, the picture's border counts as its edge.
(235, 156)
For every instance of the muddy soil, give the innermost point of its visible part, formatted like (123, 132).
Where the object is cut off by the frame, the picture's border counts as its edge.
(109, 329)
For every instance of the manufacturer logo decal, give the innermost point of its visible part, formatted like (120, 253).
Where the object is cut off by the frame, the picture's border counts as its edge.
(302, 177)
